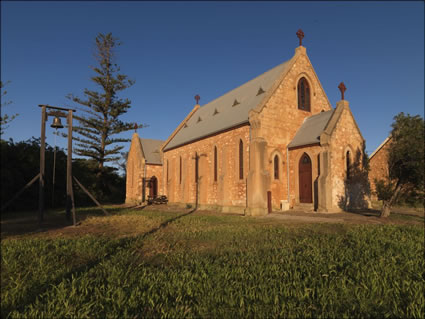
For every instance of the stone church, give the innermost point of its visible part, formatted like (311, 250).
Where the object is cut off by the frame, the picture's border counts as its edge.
(273, 143)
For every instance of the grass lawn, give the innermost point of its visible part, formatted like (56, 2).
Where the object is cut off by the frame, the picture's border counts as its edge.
(140, 263)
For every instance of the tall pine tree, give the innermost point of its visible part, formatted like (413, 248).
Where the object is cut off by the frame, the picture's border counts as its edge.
(100, 122)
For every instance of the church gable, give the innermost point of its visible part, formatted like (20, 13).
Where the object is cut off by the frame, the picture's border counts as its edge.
(343, 119)
(280, 114)
(135, 153)
(285, 95)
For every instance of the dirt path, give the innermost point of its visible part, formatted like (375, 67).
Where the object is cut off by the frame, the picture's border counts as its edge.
(307, 219)
(366, 217)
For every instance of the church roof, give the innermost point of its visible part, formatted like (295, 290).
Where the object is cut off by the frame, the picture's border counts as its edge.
(310, 130)
(227, 111)
(151, 150)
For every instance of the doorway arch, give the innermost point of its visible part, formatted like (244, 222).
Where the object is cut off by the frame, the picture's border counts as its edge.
(153, 190)
(305, 179)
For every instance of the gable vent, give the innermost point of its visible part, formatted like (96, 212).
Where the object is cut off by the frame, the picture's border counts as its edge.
(260, 91)
(215, 112)
(199, 120)
(236, 102)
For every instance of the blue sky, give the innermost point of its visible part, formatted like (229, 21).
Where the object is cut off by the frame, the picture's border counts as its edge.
(175, 50)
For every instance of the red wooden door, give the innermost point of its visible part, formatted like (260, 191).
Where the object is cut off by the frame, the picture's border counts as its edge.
(305, 179)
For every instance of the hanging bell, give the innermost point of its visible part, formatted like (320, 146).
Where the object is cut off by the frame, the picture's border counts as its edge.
(57, 123)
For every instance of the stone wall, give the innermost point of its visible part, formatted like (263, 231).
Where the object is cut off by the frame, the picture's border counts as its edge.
(378, 165)
(228, 190)
(345, 138)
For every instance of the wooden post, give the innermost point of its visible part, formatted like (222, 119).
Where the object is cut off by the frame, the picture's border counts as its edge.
(69, 192)
(91, 196)
(42, 165)
(74, 218)
(54, 175)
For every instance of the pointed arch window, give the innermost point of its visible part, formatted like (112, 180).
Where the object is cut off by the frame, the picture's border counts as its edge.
(240, 159)
(215, 164)
(348, 164)
(303, 95)
(276, 167)
(180, 170)
(167, 171)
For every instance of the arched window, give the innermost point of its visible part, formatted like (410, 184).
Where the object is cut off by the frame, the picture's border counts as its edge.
(240, 159)
(167, 171)
(180, 171)
(348, 164)
(196, 167)
(303, 95)
(276, 167)
(215, 163)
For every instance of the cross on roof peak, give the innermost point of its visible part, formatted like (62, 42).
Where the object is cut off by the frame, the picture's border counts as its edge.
(197, 98)
(342, 88)
(300, 35)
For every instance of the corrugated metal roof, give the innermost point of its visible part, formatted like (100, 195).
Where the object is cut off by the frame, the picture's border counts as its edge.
(227, 111)
(310, 130)
(151, 150)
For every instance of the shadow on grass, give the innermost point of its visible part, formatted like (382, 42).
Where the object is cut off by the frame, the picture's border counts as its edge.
(166, 223)
(25, 223)
(397, 214)
(369, 212)
(122, 243)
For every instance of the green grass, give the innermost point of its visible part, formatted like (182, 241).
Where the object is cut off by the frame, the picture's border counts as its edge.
(214, 266)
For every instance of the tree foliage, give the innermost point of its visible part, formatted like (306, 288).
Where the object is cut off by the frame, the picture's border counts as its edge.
(20, 162)
(405, 161)
(5, 118)
(100, 123)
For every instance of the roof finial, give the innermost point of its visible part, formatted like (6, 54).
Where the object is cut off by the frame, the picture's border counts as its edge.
(136, 127)
(197, 98)
(342, 88)
(300, 35)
